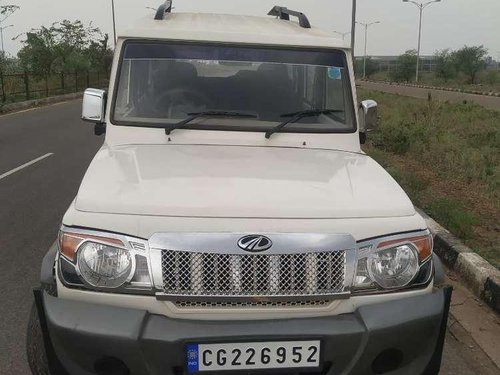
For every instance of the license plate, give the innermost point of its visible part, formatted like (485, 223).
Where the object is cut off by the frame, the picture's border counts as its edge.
(253, 356)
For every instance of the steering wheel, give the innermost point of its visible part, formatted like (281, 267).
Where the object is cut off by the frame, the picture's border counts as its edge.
(177, 103)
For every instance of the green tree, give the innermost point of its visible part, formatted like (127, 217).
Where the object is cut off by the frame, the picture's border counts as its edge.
(445, 64)
(9, 65)
(64, 46)
(7, 10)
(38, 52)
(470, 61)
(73, 39)
(406, 66)
(372, 67)
(99, 55)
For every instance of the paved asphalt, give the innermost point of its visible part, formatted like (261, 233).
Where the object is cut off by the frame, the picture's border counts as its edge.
(490, 102)
(32, 203)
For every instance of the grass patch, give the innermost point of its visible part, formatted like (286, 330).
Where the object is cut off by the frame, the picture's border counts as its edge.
(447, 158)
(453, 215)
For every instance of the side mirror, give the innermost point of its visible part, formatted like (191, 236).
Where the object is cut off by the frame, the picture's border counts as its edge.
(368, 115)
(94, 106)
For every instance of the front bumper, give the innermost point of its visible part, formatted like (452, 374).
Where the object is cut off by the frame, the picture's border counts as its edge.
(404, 336)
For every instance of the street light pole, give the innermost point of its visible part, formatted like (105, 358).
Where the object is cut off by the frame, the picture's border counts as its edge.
(353, 27)
(114, 20)
(7, 11)
(366, 25)
(342, 34)
(421, 7)
(1, 33)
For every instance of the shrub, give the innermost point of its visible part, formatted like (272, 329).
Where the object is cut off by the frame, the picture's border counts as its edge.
(453, 215)
(445, 65)
(491, 77)
(406, 67)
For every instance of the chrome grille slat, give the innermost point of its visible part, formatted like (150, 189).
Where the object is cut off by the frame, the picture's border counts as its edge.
(224, 275)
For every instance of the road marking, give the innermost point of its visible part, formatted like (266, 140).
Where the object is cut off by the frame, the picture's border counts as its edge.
(12, 171)
(36, 107)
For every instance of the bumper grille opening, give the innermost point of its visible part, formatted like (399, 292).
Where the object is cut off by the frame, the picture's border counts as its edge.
(224, 275)
(183, 304)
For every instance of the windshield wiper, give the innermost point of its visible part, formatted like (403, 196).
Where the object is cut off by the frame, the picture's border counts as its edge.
(296, 116)
(195, 115)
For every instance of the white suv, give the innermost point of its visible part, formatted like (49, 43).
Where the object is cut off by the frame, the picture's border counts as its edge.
(231, 221)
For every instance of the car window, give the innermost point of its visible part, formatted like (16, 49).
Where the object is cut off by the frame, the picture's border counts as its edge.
(162, 83)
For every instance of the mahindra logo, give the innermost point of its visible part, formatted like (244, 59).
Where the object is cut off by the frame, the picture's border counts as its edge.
(255, 243)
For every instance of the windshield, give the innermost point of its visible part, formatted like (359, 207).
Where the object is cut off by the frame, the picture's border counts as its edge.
(161, 84)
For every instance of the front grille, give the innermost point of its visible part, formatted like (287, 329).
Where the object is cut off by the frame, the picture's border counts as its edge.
(186, 304)
(224, 275)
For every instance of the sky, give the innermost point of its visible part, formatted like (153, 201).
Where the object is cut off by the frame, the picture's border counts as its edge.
(448, 24)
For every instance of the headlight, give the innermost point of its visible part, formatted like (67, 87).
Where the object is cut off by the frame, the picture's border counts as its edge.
(104, 261)
(104, 266)
(394, 267)
(391, 263)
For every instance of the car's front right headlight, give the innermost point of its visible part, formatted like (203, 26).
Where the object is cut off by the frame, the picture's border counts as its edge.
(395, 266)
(396, 262)
(103, 261)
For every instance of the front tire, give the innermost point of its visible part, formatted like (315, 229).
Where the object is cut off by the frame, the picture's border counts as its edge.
(35, 347)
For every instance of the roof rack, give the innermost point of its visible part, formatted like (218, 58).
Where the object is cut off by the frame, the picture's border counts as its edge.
(166, 7)
(285, 13)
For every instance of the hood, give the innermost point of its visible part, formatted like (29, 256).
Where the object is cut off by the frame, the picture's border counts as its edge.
(239, 182)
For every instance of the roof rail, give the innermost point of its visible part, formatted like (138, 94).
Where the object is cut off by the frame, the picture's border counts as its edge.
(285, 13)
(166, 7)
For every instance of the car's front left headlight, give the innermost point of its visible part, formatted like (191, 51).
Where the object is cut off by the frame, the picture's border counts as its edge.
(395, 262)
(103, 261)
(104, 266)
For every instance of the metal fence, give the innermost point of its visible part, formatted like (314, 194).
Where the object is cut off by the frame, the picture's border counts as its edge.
(26, 86)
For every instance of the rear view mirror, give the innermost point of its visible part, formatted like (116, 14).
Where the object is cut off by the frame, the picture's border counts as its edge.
(368, 115)
(94, 106)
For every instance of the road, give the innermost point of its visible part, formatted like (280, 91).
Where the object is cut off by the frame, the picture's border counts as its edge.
(32, 202)
(490, 102)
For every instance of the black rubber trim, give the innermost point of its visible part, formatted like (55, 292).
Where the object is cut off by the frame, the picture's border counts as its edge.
(55, 366)
(434, 365)
(47, 276)
(438, 270)
(391, 234)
